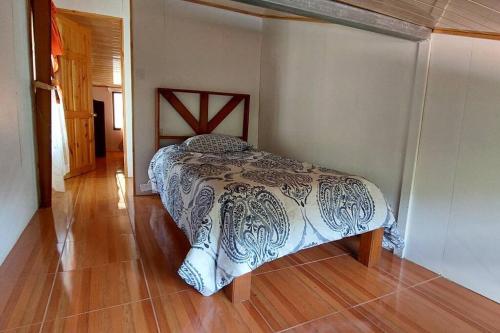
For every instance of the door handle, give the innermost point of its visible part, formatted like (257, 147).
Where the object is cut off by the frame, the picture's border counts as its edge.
(94, 115)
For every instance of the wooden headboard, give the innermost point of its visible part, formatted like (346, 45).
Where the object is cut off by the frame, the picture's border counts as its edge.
(202, 125)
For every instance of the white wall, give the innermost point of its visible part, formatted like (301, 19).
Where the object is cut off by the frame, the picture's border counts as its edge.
(18, 189)
(116, 8)
(338, 97)
(113, 137)
(184, 45)
(454, 223)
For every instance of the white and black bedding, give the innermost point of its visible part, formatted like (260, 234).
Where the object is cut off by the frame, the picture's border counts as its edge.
(242, 209)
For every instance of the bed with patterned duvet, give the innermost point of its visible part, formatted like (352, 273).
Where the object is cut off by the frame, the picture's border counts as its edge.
(241, 208)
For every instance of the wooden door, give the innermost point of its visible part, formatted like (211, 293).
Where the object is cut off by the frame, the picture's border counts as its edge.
(76, 85)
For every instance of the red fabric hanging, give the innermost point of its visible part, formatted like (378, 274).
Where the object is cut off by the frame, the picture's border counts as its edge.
(57, 45)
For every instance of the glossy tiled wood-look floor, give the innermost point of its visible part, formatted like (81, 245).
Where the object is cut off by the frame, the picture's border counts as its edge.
(103, 261)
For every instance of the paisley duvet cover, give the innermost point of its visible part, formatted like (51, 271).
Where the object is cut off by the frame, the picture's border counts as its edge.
(242, 209)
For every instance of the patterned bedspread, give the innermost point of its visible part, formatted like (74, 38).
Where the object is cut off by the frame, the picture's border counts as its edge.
(242, 209)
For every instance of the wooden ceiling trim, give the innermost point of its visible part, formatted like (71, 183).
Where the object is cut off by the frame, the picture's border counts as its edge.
(468, 33)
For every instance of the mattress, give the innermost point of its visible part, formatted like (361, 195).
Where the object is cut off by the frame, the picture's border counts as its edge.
(240, 210)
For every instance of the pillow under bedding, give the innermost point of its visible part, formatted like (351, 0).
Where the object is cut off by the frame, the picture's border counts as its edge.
(214, 143)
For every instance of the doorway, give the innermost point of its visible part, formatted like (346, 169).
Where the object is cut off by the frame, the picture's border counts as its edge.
(80, 118)
(99, 129)
(91, 72)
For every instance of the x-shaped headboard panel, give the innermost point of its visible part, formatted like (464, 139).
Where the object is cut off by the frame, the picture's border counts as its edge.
(203, 125)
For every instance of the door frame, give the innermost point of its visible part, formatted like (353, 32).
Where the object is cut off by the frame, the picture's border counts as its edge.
(41, 16)
(96, 116)
(41, 22)
(124, 89)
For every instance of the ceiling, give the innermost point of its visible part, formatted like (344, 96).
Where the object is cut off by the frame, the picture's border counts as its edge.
(470, 15)
(465, 15)
(106, 46)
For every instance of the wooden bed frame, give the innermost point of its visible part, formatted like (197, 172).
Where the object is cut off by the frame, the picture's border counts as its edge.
(202, 125)
(370, 247)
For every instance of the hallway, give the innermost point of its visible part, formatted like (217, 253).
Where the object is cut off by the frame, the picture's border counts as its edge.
(78, 257)
(82, 266)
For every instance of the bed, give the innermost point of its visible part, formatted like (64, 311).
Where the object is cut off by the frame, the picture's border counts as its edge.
(241, 209)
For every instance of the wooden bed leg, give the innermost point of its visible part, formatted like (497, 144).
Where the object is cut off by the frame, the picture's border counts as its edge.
(239, 290)
(370, 247)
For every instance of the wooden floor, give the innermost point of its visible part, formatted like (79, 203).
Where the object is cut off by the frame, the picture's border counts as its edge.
(103, 261)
